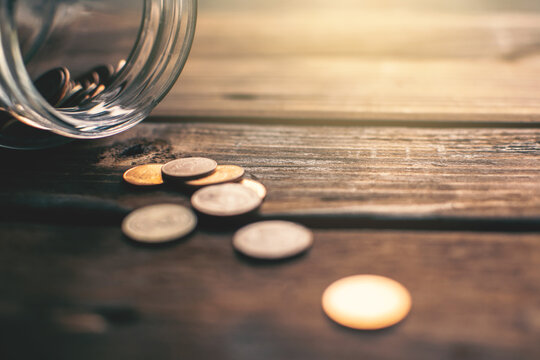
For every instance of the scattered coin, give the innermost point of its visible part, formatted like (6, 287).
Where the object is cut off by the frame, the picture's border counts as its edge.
(144, 175)
(159, 223)
(225, 200)
(256, 186)
(366, 302)
(188, 168)
(222, 174)
(54, 85)
(273, 240)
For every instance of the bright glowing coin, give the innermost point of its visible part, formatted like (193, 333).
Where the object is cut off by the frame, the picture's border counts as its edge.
(366, 302)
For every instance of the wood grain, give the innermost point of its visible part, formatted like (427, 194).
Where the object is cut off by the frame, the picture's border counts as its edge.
(333, 90)
(411, 173)
(85, 292)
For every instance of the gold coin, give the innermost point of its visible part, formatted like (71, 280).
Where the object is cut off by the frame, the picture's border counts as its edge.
(256, 186)
(366, 302)
(223, 174)
(144, 175)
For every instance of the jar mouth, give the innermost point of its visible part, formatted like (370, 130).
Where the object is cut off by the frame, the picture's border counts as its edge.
(151, 69)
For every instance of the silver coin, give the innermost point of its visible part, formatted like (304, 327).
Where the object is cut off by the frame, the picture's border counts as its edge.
(159, 223)
(225, 200)
(188, 168)
(273, 240)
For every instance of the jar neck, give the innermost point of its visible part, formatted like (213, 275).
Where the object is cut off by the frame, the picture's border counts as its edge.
(151, 69)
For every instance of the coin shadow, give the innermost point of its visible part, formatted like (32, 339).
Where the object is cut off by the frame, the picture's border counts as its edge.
(213, 224)
(142, 189)
(178, 186)
(269, 262)
(378, 332)
(158, 246)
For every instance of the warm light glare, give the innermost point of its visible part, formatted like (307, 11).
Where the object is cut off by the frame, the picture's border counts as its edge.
(366, 302)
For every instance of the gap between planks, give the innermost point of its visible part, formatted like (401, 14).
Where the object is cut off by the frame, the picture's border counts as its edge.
(377, 120)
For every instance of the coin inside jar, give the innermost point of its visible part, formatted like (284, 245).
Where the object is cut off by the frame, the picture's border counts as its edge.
(188, 168)
(225, 200)
(366, 302)
(223, 174)
(105, 73)
(54, 85)
(144, 175)
(159, 223)
(100, 75)
(273, 240)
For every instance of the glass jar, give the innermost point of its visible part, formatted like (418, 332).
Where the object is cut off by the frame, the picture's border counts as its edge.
(86, 68)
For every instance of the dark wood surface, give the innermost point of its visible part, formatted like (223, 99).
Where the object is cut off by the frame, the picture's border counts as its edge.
(422, 172)
(86, 293)
(406, 137)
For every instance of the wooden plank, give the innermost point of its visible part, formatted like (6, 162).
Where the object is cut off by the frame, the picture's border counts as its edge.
(411, 173)
(330, 90)
(363, 61)
(362, 31)
(84, 292)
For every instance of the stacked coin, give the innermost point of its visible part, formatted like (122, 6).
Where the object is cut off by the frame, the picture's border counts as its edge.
(58, 88)
(204, 174)
(87, 86)
(61, 90)
(184, 169)
(196, 172)
(222, 192)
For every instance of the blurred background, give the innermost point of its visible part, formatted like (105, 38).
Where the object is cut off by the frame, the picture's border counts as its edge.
(463, 60)
(384, 28)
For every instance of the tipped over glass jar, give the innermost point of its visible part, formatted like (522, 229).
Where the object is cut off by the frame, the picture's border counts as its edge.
(86, 69)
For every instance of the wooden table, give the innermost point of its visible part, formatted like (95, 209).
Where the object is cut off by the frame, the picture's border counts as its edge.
(407, 138)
